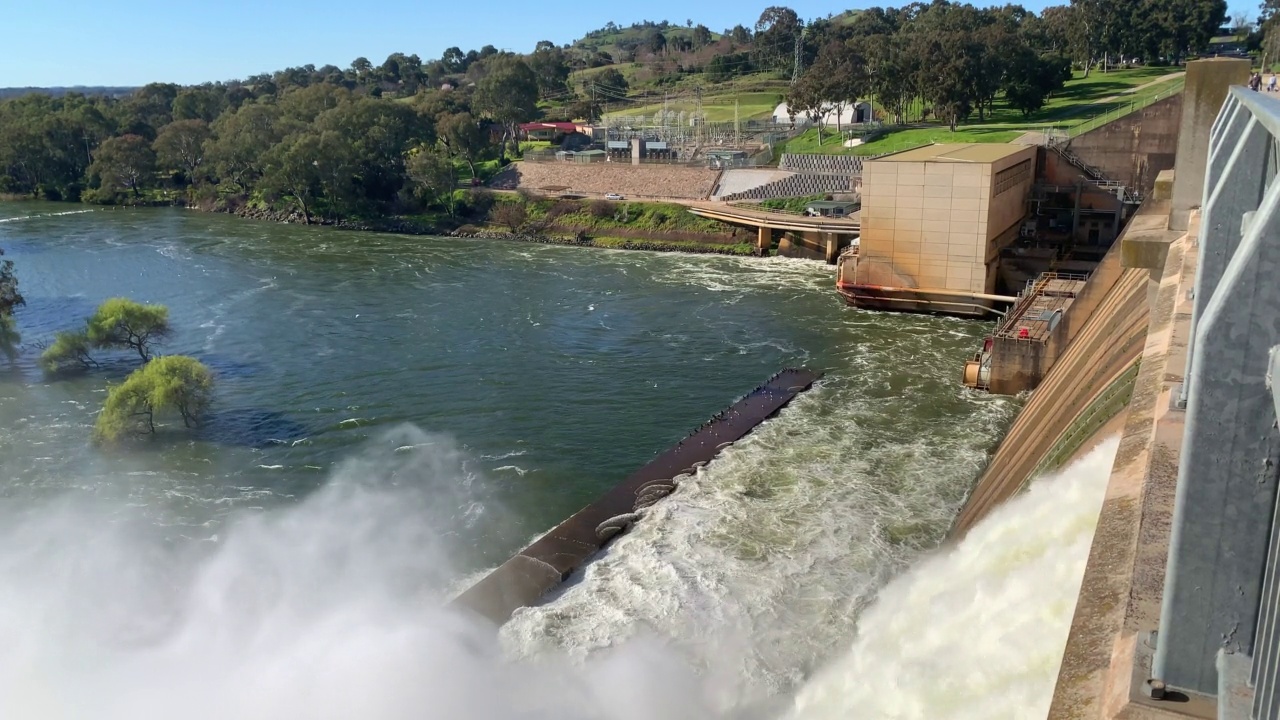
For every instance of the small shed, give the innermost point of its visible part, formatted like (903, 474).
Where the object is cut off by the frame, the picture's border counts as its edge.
(589, 156)
(830, 208)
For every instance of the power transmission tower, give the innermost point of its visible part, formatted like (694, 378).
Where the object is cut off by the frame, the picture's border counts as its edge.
(796, 67)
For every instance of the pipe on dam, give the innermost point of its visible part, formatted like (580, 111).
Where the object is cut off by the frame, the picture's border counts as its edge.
(539, 568)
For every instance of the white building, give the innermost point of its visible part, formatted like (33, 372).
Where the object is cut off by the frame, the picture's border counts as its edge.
(848, 114)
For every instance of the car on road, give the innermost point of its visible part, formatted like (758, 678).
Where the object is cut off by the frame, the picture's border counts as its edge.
(613, 196)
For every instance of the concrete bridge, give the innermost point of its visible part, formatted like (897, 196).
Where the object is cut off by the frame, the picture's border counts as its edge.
(817, 236)
(1177, 614)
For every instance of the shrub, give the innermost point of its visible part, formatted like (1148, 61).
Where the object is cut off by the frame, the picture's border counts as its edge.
(511, 215)
(480, 200)
(174, 382)
(68, 354)
(562, 207)
(602, 209)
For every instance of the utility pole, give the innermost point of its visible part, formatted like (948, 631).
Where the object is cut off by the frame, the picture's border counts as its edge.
(697, 118)
(737, 131)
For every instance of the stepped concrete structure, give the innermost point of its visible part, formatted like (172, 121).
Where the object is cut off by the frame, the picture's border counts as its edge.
(1178, 614)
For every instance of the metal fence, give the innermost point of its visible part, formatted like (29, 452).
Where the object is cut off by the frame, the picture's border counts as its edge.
(1218, 633)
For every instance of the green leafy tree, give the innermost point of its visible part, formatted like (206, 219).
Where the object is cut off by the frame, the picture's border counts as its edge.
(172, 383)
(464, 138)
(777, 31)
(9, 337)
(291, 170)
(125, 163)
(508, 94)
(241, 141)
(10, 298)
(434, 176)
(612, 81)
(123, 324)
(69, 353)
(182, 144)
(551, 68)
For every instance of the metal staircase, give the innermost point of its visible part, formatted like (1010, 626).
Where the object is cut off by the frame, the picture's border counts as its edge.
(1062, 146)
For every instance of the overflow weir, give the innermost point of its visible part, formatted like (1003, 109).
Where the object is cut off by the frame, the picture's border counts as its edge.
(533, 572)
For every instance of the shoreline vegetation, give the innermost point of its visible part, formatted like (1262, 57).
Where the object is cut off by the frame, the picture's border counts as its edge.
(735, 243)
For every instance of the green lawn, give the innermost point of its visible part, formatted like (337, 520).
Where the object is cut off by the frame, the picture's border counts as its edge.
(718, 108)
(1085, 103)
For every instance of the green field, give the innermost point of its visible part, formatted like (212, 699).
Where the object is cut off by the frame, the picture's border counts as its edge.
(718, 108)
(1085, 103)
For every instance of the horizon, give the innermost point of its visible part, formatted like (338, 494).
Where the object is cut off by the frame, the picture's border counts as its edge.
(153, 42)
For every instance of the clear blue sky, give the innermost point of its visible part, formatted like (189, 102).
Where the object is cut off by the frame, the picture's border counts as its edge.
(78, 42)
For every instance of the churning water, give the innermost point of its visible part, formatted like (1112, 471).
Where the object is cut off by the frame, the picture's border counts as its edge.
(976, 631)
(395, 415)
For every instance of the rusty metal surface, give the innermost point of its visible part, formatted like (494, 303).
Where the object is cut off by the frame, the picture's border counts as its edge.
(537, 569)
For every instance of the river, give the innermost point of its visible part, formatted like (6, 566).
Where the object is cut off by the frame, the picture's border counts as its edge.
(394, 415)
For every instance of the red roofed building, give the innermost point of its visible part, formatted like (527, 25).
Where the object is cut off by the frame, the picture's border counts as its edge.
(548, 130)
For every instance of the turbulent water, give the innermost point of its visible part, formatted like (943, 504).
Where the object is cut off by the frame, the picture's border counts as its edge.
(396, 415)
(975, 632)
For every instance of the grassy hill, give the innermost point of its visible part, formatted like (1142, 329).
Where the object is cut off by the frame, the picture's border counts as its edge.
(1083, 104)
(616, 40)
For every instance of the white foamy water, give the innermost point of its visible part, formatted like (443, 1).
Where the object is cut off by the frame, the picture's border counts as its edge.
(757, 569)
(329, 609)
(976, 631)
(43, 215)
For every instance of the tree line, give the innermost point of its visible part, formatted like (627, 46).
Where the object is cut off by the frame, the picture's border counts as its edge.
(319, 142)
(370, 139)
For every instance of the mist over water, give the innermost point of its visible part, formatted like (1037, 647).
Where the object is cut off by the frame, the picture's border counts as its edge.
(396, 415)
(978, 630)
(327, 609)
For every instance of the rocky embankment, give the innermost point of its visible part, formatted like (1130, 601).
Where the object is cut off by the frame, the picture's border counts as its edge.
(582, 240)
(389, 224)
(410, 227)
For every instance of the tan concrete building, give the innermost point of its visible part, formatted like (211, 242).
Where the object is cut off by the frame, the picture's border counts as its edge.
(934, 220)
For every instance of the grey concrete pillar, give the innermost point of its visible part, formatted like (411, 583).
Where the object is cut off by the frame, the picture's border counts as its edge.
(1207, 82)
(1227, 477)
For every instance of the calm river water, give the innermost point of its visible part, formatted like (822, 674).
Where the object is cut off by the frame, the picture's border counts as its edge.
(491, 389)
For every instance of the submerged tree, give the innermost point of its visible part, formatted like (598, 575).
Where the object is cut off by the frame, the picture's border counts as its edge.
(172, 383)
(123, 324)
(10, 298)
(9, 337)
(68, 354)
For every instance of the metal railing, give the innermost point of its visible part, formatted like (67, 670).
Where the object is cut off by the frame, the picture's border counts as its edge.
(1219, 634)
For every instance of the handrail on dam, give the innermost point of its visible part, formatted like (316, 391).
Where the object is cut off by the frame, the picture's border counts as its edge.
(1219, 628)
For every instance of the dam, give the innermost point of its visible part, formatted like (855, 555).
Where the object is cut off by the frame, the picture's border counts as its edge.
(1171, 345)
(1114, 559)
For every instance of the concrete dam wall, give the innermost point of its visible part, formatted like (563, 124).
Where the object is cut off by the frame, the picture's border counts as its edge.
(1112, 329)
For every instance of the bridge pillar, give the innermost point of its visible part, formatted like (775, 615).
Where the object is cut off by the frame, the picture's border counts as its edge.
(764, 240)
(1226, 493)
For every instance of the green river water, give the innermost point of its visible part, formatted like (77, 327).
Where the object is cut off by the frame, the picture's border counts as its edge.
(483, 390)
